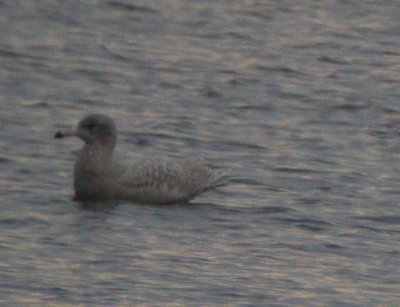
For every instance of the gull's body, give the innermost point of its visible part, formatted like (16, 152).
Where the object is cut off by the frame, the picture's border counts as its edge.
(159, 180)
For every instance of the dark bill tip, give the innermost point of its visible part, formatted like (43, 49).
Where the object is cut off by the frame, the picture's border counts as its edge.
(59, 135)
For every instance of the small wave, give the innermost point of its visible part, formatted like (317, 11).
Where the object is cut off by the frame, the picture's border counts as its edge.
(332, 60)
(130, 7)
(390, 219)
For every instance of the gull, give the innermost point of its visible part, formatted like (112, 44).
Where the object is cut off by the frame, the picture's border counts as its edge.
(150, 180)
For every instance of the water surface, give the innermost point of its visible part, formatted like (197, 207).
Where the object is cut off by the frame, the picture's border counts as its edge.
(299, 99)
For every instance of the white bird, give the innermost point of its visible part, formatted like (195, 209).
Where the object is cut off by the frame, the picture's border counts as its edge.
(161, 180)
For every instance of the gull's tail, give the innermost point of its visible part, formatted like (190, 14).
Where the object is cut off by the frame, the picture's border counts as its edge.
(218, 179)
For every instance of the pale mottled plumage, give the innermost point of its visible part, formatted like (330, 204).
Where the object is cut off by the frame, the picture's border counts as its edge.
(161, 180)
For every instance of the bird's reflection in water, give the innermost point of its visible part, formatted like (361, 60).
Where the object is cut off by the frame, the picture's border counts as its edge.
(98, 206)
(109, 205)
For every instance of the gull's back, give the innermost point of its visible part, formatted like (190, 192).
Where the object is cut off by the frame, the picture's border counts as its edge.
(162, 180)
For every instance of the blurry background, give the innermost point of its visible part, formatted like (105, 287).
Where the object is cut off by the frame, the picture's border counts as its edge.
(299, 98)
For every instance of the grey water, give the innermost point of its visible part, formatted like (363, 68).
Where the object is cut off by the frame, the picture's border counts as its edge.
(300, 99)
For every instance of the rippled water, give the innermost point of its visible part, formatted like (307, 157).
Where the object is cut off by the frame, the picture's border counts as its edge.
(299, 98)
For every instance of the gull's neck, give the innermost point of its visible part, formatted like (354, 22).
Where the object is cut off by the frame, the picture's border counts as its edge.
(92, 170)
(95, 158)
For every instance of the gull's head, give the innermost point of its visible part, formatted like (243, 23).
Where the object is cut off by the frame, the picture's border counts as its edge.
(93, 128)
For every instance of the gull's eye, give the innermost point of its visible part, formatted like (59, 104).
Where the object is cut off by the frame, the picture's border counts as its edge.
(90, 125)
